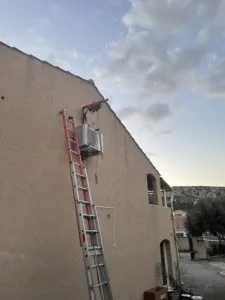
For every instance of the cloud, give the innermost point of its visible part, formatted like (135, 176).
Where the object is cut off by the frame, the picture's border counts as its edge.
(42, 22)
(165, 46)
(54, 8)
(211, 33)
(157, 111)
(35, 42)
(152, 113)
(128, 111)
(63, 58)
(214, 83)
(150, 154)
(169, 16)
(164, 132)
(39, 24)
(44, 49)
(88, 60)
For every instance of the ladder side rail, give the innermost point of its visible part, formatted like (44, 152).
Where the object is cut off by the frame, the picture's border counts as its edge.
(83, 236)
(88, 273)
(77, 150)
(88, 187)
(81, 167)
(76, 199)
(78, 153)
(96, 240)
(66, 136)
(84, 239)
(101, 271)
(71, 169)
(104, 272)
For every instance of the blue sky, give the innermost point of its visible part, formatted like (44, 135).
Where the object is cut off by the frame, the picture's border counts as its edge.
(161, 63)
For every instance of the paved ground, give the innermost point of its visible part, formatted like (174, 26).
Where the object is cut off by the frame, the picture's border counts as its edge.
(203, 278)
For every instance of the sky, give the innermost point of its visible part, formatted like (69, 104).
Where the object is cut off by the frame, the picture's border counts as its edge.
(161, 64)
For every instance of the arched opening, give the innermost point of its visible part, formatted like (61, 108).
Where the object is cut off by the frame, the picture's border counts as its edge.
(166, 262)
(152, 189)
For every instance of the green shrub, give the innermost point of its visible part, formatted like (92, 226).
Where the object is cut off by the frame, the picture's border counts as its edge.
(216, 249)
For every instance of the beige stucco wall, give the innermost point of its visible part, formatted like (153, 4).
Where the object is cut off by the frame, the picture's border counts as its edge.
(40, 257)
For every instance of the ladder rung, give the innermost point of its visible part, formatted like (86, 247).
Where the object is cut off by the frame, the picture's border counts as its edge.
(68, 120)
(94, 248)
(73, 162)
(100, 284)
(83, 202)
(93, 254)
(70, 129)
(88, 216)
(96, 266)
(74, 152)
(91, 231)
(82, 188)
(72, 141)
(80, 175)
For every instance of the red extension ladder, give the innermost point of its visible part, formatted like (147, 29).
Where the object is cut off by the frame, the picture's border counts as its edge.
(87, 218)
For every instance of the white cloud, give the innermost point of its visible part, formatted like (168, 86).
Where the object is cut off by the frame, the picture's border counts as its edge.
(126, 112)
(54, 8)
(164, 48)
(88, 60)
(211, 33)
(151, 113)
(213, 84)
(150, 154)
(42, 48)
(35, 42)
(165, 16)
(164, 132)
(43, 22)
(146, 65)
(157, 111)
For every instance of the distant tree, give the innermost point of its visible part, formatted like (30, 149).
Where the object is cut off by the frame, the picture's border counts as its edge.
(183, 203)
(207, 216)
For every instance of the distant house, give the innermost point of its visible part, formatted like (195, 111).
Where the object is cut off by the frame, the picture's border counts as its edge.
(180, 217)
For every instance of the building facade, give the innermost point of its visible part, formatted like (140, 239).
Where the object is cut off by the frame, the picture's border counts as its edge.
(40, 256)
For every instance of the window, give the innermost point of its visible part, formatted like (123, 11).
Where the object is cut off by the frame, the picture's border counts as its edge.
(152, 189)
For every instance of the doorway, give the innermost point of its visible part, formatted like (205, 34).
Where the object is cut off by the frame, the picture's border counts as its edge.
(166, 262)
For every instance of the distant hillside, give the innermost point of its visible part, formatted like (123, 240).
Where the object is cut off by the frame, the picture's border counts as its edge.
(198, 191)
(185, 197)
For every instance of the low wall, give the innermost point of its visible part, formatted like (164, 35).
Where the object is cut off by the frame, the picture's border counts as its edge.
(183, 244)
(200, 248)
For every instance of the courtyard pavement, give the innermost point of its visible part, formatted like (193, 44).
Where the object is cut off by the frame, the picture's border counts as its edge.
(203, 277)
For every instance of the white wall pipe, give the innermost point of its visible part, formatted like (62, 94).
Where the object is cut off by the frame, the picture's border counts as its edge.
(114, 221)
(175, 239)
(164, 198)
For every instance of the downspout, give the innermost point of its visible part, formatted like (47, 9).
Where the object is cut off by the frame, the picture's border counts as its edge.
(175, 241)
